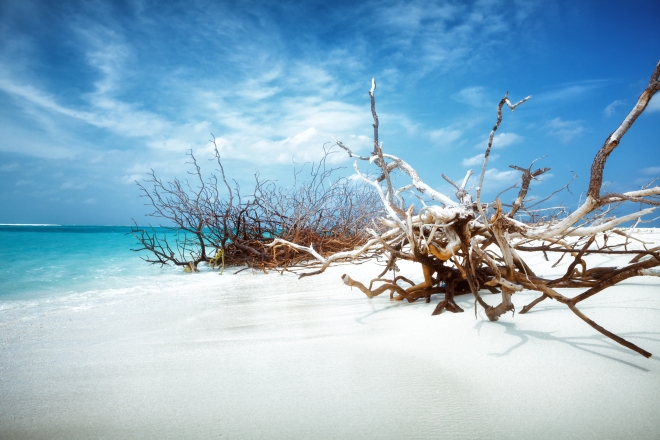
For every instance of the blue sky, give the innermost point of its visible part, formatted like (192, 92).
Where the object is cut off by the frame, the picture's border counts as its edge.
(95, 93)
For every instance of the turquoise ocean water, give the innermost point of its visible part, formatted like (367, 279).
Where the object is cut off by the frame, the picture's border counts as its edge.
(48, 264)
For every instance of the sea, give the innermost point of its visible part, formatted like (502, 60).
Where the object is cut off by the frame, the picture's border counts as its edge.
(51, 266)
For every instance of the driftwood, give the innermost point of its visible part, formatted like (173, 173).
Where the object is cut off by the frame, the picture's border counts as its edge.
(466, 246)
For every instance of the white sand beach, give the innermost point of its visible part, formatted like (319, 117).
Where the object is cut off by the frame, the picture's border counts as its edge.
(254, 356)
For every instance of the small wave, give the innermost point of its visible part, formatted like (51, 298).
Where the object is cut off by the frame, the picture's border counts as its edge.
(28, 224)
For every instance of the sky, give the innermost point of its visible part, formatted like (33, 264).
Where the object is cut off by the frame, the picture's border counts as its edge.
(94, 94)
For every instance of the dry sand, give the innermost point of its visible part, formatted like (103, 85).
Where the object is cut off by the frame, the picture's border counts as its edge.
(252, 356)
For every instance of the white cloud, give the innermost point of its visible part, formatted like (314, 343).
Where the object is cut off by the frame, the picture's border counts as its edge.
(71, 185)
(107, 56)
(494, 176)
(474, 160)
(9, 167)
(473, 96)
(564, 130)
(37, 97)
(249, 115)
(441, 36)
(569, 92)
(500, 141)
(651, 171)
(299, 147)
(503, 140)
(478, 160)
(295, 127)
(260, 87)
(265, 103)
(130, 179)
(304, 146)
(611, 108)
(446, 136)
(109, 113)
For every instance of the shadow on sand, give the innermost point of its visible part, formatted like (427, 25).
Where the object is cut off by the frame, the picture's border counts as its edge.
(596, 344)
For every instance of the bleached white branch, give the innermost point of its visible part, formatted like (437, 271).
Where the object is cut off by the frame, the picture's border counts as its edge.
(418, 182)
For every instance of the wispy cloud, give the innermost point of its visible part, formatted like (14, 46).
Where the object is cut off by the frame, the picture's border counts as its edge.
(500, 141)
(495, 176)
(256, 125)
(9, 167)
(564, 130)
(473, 96)
(71, 185)
(105, 50)
(611, 108)
(478, 160)
(108, 113)
(503, 140)
(256, 92)
(446, 136)
(442, 36)
(651, 171)
(474, 160)
(38, 97)
(570, 92)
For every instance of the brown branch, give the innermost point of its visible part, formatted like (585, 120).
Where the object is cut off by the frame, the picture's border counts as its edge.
(527, 177)
(613, 140)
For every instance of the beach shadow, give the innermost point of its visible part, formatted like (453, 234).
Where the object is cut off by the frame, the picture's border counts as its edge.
(464, 301)
(374, 312)
(586, 306)
(630, 282)
(590, 344)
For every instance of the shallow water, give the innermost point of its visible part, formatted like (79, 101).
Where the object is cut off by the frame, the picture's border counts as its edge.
(48, 264)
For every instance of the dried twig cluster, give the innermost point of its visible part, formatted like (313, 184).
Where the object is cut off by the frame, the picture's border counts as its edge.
(201, 223)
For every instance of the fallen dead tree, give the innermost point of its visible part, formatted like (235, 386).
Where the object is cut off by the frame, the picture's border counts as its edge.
(466, 246)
